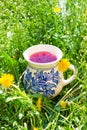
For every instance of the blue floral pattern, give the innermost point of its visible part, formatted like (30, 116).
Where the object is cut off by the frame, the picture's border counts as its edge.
(41, 82)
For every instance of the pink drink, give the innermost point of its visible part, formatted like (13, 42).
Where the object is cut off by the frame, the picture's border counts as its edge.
(43, 57)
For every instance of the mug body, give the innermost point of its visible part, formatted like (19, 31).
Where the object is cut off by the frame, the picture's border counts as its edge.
(43, 78)
(47, 82)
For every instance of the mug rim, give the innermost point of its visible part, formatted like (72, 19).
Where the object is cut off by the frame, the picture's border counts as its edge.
(42, 47)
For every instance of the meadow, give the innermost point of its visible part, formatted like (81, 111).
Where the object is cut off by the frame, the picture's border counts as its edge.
(24, 23)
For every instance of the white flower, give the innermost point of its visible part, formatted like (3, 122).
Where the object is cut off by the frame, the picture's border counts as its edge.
(20, 115)
(9, 35)
(25, 125)
(1, 92)
(37, 113)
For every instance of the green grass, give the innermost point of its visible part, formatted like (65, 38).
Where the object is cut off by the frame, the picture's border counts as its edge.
(24, 23)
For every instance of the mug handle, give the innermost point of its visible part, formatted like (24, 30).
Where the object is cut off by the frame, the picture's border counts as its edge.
(69, 80)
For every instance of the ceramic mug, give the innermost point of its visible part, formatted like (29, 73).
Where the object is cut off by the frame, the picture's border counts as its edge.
(45, 78)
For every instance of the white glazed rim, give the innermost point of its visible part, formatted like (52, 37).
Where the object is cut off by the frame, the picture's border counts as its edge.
(42, 47)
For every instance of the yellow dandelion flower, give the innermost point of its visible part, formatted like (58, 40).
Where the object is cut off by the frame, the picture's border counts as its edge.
(6, 80)
(35, 128)
(57, 9)
(63, 65)
(39, 104)
(63, 104)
